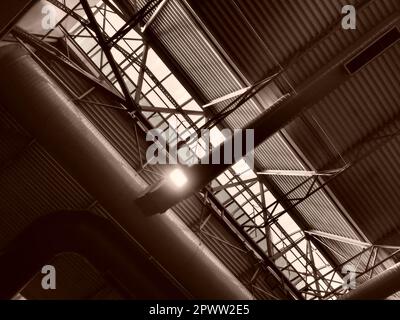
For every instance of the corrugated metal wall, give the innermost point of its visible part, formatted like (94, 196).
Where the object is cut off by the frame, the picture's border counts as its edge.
(301, 36)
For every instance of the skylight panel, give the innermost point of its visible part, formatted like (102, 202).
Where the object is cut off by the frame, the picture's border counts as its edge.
(159, 69)
(223, 179)
(118, 56)
(148, 85)
(155, 100)
(216, 137)
(85, 41)
(175, 88)
(255, 188)
(240, 199)
(249, 209)
(192, 105)
(112, 23)
(288, 223)
(240, 167)
(244, 202)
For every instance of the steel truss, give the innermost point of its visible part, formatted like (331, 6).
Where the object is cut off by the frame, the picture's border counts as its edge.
(48, 51)
(322, 287)
(315, 183)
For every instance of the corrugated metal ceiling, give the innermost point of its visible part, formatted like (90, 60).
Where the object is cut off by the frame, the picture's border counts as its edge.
(301, 36)
(298, 35)
(35, 184)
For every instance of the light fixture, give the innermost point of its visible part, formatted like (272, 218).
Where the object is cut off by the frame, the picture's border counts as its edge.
(178, 178)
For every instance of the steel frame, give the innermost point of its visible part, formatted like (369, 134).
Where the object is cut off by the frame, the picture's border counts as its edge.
(317, 182)
(80, 97)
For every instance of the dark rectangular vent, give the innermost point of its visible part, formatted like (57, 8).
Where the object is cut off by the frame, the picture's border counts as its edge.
(373, 51)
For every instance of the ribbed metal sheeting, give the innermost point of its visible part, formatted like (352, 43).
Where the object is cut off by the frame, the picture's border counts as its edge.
(33, 184)
(366, 106)
(118, 128)
(265, 33)
(21, 199)
(175, 29)
(302, 36)
(365, 103)
(317, 210)
(190, 48)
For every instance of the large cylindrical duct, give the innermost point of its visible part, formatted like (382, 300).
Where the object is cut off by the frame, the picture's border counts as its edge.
(308, 93)
(91, 236)
(43, 108)
(380, 287)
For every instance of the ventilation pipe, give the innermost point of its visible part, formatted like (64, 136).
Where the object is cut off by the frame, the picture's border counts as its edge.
(43, 108)
(380, 287)
(269, 122)
(91, 236)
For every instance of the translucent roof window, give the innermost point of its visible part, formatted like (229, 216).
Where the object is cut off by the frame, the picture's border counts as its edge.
(239, 188)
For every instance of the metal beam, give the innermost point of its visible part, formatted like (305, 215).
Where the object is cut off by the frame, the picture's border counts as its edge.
(287, 285)
(130, 103)
(142, 71)
(234, 184)
(172, 111)
(327, 235)
(288, 248)
(54, 54)
(354, 242)
(383, 290)
(338, 267)
(153, 16)
(313, 185)
(325, 81)
(237, 93)
(78, 146)
(380, 287)
(226, 97)
(132, 22)
(270, 246)
(296, 173)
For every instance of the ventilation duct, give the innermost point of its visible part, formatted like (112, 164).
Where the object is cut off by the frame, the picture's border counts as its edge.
(309, 93)
(380, 287)
(43, 109)
(91, 236)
